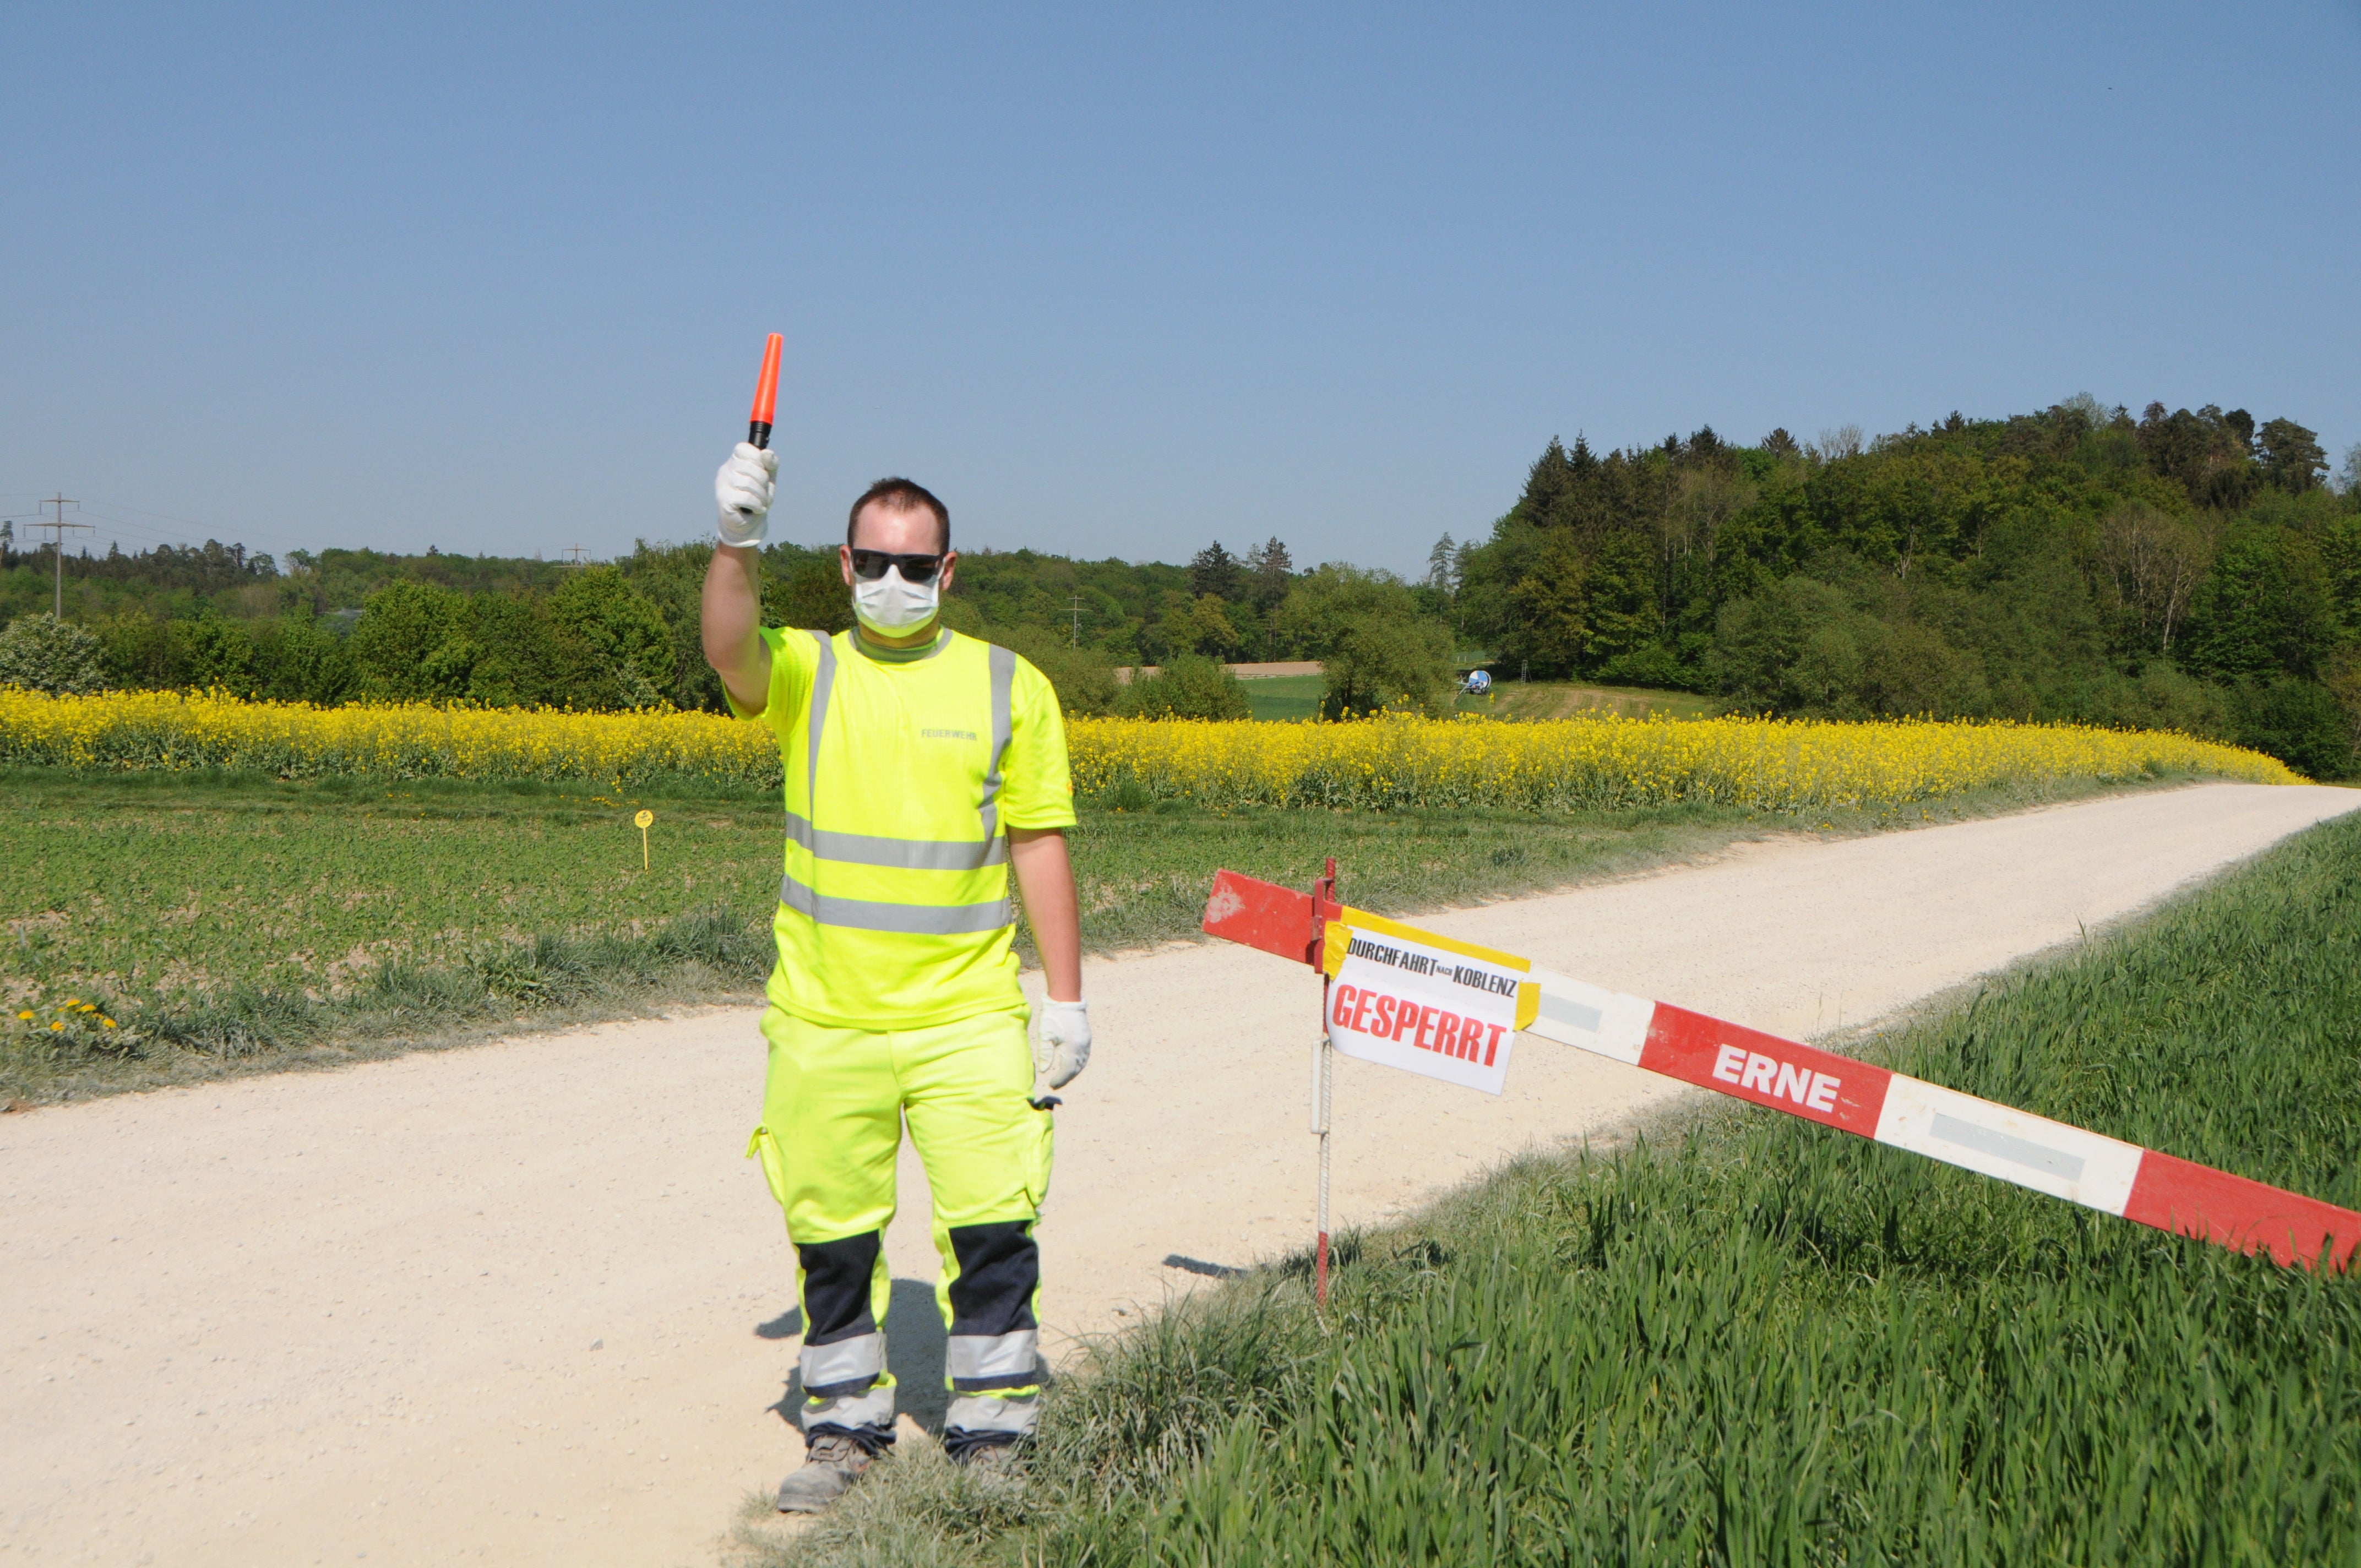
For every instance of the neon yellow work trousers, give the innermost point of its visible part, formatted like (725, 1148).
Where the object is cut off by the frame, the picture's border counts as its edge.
(832, 1113)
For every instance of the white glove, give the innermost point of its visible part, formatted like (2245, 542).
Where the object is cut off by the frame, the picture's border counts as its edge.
(743, 491)
(1063, 1046)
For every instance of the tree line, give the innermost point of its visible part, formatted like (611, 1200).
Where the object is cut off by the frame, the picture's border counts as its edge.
(361, 625)
(2195, 570)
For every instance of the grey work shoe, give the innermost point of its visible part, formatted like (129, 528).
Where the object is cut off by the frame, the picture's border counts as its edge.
(831, 1465)
(1004, 1460)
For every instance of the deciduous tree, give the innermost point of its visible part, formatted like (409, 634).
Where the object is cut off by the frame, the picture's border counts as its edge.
(623, 635)
(43, 654)
(2157, 563)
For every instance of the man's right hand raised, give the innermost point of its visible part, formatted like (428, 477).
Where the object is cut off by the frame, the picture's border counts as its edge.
(743, 492)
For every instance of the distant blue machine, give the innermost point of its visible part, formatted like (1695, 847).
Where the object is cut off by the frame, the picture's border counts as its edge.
(1477, 683)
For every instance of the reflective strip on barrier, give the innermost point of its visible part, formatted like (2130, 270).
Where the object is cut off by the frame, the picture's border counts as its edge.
(2014, 1145)
(908, 919)
(1607, 1023)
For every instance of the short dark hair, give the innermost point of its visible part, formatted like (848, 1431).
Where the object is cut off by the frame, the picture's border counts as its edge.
(901, 495)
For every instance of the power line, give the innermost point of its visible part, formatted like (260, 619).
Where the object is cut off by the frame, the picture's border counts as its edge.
(1075, 641)
(57, 528)
(101, 507)
(148, 532)
(119, 529)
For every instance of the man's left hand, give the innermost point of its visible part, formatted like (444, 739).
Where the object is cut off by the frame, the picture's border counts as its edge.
(1063, 1046)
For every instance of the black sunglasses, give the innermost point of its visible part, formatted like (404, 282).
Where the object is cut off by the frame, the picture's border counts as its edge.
(870, 565)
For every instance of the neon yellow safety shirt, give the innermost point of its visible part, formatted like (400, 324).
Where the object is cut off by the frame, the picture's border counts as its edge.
(902, 768)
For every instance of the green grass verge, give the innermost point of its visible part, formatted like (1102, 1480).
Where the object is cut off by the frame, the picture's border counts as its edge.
(231, 923)
(1295, 698)
(1284, 697)
(1512, 699)
(1758, 1341)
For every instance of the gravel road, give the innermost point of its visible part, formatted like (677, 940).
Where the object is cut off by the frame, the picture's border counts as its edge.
(524, 1303)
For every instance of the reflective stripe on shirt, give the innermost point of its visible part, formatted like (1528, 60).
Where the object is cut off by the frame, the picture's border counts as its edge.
(910, 854)
(1004, 676)
(911, 919)
(822, 679)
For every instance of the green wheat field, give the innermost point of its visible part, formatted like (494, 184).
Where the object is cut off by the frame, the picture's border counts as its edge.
(1750, 1340)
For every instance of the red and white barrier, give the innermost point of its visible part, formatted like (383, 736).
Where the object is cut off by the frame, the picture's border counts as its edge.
(2146, 1186)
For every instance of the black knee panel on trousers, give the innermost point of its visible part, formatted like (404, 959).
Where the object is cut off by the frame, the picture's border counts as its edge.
(837, 1277)
(999, 1269)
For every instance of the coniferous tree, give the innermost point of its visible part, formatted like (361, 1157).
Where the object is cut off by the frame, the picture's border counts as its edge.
(1551, 483)
(2292, 457)
(1215, 571)
(1268, 570)
(1443, 566)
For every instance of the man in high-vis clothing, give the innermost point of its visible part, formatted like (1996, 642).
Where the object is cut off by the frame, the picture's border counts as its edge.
(921, 766)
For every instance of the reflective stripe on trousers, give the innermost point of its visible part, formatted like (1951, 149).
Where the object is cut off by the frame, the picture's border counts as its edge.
(1014, 1414)
(872, 1411)
(847, 1366)
(980, 1363)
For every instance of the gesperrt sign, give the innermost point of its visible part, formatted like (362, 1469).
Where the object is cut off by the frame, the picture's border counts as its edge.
(1427, 1005)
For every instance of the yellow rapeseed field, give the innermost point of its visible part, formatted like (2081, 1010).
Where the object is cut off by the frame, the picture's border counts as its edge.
(1374, 764)
(1773, 764)
(128, 731)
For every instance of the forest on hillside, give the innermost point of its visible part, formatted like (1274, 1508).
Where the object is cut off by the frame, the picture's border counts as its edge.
(2194, 570)
(2185, 570)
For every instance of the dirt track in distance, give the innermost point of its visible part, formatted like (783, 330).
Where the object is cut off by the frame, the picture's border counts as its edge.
(524, 1303)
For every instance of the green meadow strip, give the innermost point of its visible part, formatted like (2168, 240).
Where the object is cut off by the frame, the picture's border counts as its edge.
(215, 922)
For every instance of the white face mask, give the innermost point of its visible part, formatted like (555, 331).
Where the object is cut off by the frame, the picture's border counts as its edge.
(890, 606)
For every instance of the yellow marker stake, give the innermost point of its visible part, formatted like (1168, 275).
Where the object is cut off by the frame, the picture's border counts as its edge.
(641, 821)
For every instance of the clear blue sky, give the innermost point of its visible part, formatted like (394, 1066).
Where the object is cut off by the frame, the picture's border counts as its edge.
(1117, 279)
